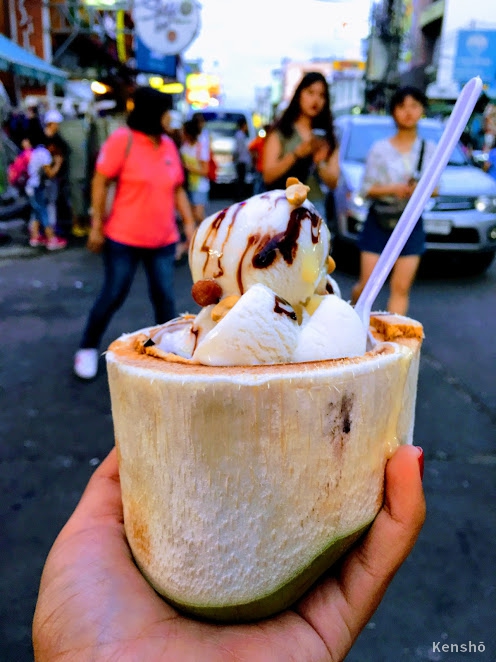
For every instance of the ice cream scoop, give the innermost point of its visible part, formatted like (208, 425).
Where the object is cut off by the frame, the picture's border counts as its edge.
(260, 328)
(261, 269)
(333, 331)
(267, 240)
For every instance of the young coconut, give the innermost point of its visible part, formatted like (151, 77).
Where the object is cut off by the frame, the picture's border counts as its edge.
(242, 485)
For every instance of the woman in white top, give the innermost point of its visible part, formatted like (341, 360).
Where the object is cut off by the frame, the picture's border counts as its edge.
(391, 174)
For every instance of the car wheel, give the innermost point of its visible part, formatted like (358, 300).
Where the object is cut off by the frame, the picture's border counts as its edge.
(473, 265)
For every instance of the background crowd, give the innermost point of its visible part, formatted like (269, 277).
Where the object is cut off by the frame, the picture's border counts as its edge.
(151, 179)
(150, 184)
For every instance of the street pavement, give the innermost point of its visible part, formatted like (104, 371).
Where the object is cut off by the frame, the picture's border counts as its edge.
(55, 429)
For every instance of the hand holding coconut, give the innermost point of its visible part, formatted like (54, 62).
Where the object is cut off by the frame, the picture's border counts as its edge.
(94, 604)
(252, 438)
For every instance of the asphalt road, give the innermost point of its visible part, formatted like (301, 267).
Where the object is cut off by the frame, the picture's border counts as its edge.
(55, 430)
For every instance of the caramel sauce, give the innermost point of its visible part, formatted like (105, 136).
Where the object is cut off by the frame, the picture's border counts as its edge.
(207, 246)
(252, 239)
(195, 332)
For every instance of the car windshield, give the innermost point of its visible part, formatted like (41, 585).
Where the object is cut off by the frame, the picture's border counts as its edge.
(362, 136)
(223, 124)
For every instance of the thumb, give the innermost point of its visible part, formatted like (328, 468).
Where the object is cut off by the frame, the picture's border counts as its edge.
(345, 602)
(369, 569)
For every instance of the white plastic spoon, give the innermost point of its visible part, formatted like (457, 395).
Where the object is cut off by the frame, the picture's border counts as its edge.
(415, 206)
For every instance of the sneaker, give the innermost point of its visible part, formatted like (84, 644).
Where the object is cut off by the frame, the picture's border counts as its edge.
(86, 363)
(55, 244)
(37, 241)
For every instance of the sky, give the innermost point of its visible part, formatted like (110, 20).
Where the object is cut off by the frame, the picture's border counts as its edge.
(243, 42)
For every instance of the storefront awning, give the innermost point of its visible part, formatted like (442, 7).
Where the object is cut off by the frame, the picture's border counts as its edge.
(19, 61)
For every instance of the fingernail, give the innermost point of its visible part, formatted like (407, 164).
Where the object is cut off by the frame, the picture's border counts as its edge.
(421, 460)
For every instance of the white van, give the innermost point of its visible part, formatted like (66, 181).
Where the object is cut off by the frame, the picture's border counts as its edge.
(222, 124)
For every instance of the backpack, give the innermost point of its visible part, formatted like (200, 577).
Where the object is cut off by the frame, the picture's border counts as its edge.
(17, 172)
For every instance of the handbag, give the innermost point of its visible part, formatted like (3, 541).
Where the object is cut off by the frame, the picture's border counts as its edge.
(212, 165)
(387, 214)
(212, 169)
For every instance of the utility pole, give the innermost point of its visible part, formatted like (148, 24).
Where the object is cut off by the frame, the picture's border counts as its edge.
(386, 32)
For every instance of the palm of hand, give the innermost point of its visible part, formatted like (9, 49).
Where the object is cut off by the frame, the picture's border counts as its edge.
(95, 605)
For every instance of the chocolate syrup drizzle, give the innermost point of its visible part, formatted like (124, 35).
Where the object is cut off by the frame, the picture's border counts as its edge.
(266, 246)
(283, 307)
(286, 242)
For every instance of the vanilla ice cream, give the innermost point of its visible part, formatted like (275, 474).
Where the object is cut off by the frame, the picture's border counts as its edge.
(259, 329)
(261, 274)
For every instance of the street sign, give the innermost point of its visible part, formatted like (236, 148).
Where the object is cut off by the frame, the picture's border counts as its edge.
(476, 56)
(150, 61)
(167, 26)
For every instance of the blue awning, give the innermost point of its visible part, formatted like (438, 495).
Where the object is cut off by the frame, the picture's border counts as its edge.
(19, 61)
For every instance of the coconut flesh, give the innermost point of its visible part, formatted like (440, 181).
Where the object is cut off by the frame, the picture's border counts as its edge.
(241, 486)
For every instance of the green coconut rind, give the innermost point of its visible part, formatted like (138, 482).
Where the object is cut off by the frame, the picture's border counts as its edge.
(282, 598)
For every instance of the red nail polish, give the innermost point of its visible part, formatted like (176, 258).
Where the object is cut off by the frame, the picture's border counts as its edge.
(421, 460)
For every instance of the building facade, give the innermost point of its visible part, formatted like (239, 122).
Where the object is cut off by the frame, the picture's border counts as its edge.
(435, 37)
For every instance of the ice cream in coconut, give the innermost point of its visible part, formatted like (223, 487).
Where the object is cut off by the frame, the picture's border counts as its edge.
(252, 438)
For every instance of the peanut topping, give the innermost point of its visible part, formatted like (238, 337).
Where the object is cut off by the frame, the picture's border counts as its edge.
(296, 194)
(224, 306)
(331, 265)
(207, 291)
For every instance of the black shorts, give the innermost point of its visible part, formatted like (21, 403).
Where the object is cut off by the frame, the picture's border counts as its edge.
(373, 238)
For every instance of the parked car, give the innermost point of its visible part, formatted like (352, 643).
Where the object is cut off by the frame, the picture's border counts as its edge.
(460, 220)
(222, 124)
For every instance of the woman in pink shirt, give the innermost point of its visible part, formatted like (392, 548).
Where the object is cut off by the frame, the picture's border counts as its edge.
(141, 225)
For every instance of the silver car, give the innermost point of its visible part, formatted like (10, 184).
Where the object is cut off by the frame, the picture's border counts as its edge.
(461, 219)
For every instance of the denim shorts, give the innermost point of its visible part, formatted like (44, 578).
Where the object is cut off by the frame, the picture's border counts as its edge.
(198, 197)
(373, 238)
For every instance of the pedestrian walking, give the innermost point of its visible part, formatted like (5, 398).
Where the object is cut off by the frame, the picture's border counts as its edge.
(302, 143)
(44, 164)
(140, 225)
(393, 167)
(204, 136)
(195, 154)
(57, 188)
(242, 158)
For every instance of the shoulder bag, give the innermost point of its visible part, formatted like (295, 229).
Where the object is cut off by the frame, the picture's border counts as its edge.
(112, 189)
(387, 214)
